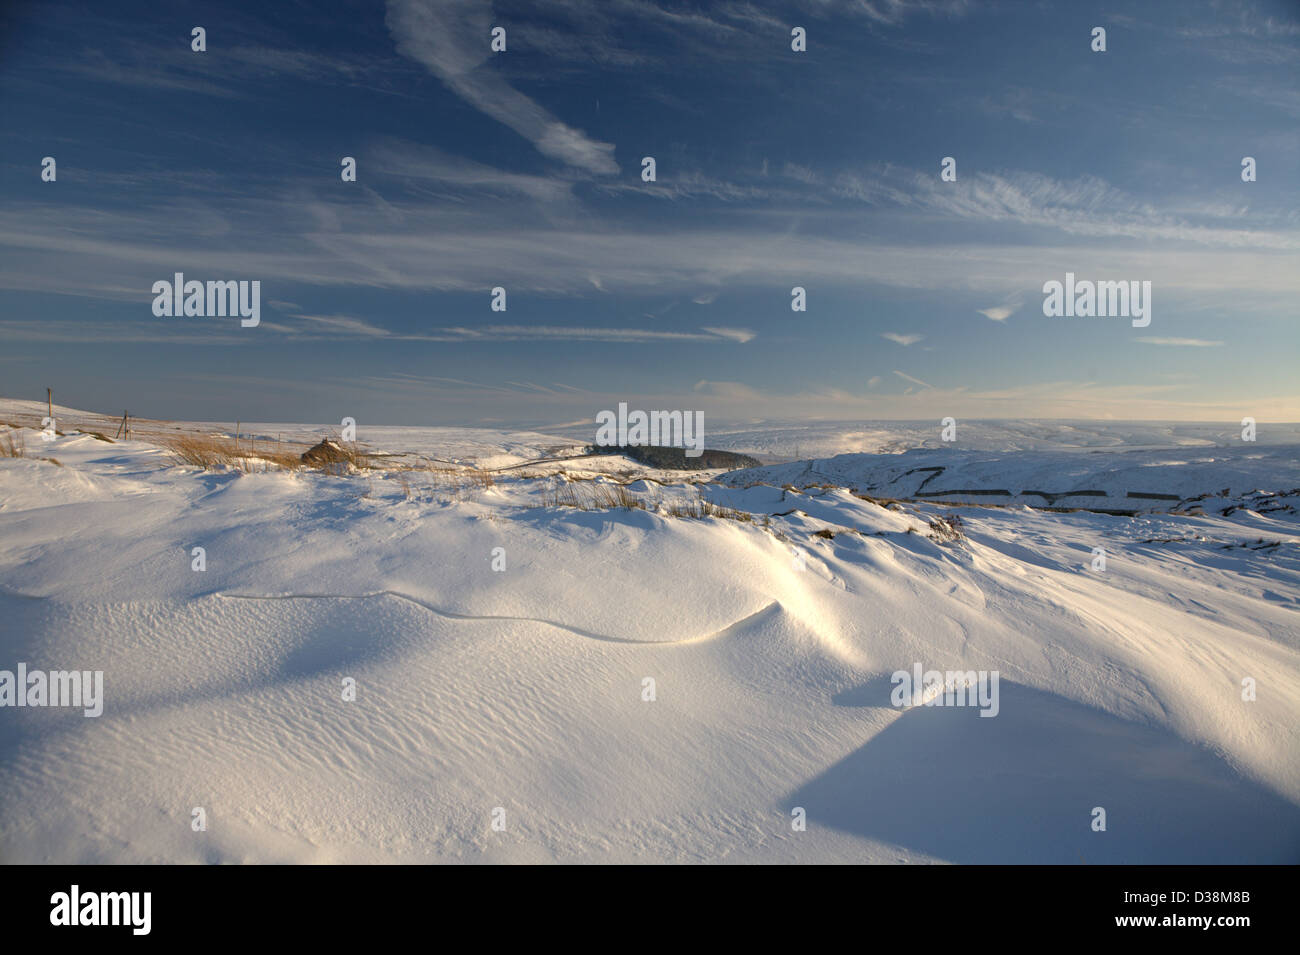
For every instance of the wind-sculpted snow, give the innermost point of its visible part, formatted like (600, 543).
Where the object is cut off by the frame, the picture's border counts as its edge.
(770, 626)
(738, 625)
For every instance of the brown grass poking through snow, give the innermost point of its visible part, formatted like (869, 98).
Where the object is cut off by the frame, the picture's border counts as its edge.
(457, 481)
(615, 495)
(355, 456)
(200, 451)
(210, 452)
(12, 445)
(700, 508)
(592, 496)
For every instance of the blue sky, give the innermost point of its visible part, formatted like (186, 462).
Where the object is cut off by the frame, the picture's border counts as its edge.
(522, 169)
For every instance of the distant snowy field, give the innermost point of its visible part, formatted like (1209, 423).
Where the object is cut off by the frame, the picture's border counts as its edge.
(770, 629)
(823, 440)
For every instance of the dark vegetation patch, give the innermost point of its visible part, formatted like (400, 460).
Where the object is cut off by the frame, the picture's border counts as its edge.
(675, 458)
(947, 529)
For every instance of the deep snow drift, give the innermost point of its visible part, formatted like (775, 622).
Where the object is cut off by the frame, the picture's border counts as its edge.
(770, 628)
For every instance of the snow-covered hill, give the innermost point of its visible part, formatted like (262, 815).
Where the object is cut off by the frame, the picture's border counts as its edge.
(1114, 480)
(770, 628)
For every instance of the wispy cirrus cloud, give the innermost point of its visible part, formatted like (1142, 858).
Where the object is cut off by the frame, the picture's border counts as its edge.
(451, 38)
(240, 58)
(999, 313)
(915, 381)
(892, 12)
(415, 244)
(740, 335)
(1085, 206)
(568, 333)
(1181, 342)
(902, 339)
(219, 331)
(344, 326)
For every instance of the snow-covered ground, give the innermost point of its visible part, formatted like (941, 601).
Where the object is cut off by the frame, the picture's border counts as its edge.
(770, 629)
(1123, 480)
(786, 442)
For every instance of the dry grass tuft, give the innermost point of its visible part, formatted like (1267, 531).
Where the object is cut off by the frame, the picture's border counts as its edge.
(592, 496)
(12, 445)
(700, 508)
(212, 452)
(200, 451)
(354, 456)
(457, 480)
(436, 481)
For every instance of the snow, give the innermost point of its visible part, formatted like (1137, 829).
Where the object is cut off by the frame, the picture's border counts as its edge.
(778, 441)
(770, 648)
(1099, 480)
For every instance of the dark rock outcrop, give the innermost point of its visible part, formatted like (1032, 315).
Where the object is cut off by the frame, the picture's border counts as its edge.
(325, 454)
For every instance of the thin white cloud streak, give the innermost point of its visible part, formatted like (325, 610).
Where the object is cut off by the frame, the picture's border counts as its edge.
(567, 333)
(902, 339)
(344, 325)
(531, 386)
(223, 331)
(451, 38)
(740, 335)
(1184, 342)
(161, 331)
(347, 327)
(999, 313)
(915, 381)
